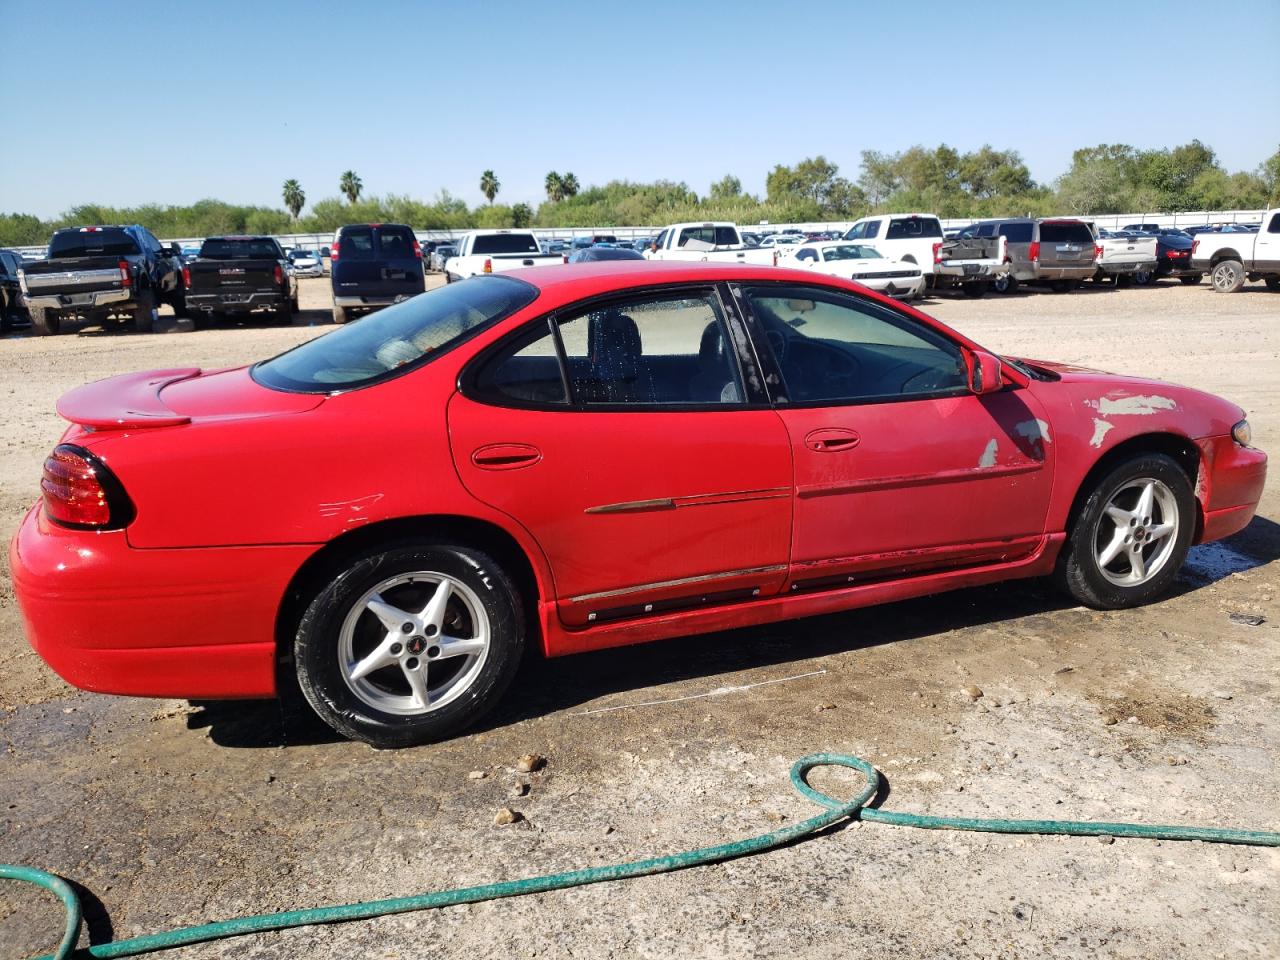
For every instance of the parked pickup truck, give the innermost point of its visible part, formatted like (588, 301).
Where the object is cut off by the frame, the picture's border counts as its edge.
(970, 262)
(715, 242)
(1120, 255)
(497, 251)
(241, 275)
(94, 273)
(1232, 258)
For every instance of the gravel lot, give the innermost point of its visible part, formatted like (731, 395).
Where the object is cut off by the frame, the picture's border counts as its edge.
(172, 813)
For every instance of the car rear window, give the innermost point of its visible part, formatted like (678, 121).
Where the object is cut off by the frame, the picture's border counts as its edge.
(910, 227)
(107, 242)
(1017, 232)
(1064, 231)
(396, 339)
(250, 248)
(505, 243)
(708, 236)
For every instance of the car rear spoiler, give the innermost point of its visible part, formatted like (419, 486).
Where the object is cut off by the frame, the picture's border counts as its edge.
(126, 402)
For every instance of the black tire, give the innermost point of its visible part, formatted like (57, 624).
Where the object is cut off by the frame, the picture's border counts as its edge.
(44, 322)
(1192, 280)
(1144, 278)
(1273, 283)
(1061, 286)
(179, 303)
(1078, 571)
(1124, 281)
(317, 644)
(144, 312)
(284, 313)
(1228, 276)
(1005, 284)
(975, 288)
(341, 314)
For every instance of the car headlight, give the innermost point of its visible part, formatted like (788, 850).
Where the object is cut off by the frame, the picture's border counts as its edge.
(1241, 433)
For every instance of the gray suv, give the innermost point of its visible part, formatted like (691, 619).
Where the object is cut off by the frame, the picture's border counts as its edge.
(1057, 252)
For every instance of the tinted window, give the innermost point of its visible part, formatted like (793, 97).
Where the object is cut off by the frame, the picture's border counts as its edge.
(592, 254)
(526, 370)
(1017, 232)
(699, 238)
(1064, 231)
(404, 335)
(1274, 225)
(850, 251)
(505, 243)
(914, 227)
(836, 348)
(107, 242)
(807, 255)
(870, 230)
(395, 243)
(356, 244)
(250, 248)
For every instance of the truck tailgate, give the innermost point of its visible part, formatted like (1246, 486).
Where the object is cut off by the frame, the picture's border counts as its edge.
(233, 276)
(73, 274)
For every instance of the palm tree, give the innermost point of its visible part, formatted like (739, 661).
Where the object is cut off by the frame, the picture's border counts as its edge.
(294, 198)
(489, 185)
(569, 183)
(555, 187)
(350, 185)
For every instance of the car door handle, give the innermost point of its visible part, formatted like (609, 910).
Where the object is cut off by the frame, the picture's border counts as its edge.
(831, 440)
(506, 456)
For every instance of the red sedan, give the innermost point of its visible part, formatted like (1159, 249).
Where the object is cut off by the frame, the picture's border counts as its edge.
(582, 457)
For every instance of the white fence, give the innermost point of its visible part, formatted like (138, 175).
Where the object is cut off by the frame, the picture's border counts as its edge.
(1110, 221)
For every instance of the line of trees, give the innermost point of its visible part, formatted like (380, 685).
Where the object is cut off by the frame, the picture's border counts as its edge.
(1108, 178)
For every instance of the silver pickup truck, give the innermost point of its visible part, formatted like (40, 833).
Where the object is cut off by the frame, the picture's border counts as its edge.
(970, 261)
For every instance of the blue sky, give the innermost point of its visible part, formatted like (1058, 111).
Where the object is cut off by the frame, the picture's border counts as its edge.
(422, 96)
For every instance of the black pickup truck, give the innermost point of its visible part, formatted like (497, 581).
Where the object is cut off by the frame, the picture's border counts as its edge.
(240, 275)
(99, 272)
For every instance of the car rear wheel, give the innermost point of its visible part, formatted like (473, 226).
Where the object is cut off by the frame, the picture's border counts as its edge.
(1005, 284)
(410, 644)
(340, 315)
(1273, 283)
(144, 312)
(1062, 286)
(1131, 535)
(44, 322)
(975, 288)
(1144, 278)
(1228, 276)
(1192, 280)
(284, 313)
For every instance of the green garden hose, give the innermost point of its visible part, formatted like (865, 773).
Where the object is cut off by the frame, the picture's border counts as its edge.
(834, 811)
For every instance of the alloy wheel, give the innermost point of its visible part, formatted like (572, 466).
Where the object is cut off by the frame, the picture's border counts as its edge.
(1137, 532)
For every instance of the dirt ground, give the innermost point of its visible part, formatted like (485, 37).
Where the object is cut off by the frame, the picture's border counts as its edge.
(171, 813)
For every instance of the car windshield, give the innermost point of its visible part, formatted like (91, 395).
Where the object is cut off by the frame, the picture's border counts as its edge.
(505, 243)
(303, 254)
(106, 242)
(399, 338)
(234, 248)
(850, 251)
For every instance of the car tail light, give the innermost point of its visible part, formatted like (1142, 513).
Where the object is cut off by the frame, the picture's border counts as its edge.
(1194, 244)
(417, 248)
(937, 250)
(1097, 251)
(775, 257)
(79, 491)
(1033, 252)
(126, 278)
(279, 274)
(488, 266)
(186, 277)
(333, 253)
(564, 257)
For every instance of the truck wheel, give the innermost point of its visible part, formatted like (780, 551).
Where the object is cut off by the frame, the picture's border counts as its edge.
(284, 313)
(179, 303)
(1144, 278)
(1192, 280)
(1130, 536)
(1061, 286)
(144, 312)
(44, 322)
(411, 643)
(1005, 284)
(340, 314)
(293, 302)
(975, 288)
(1273, 283)
(1123, 281)
(1228, 276)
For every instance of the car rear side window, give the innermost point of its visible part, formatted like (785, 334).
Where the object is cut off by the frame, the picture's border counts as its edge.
(1274, 225)
(500, 243)
(912, 227)
(357, 244)
(704, 237)
(105, 242)
(397, 339)
(1017, 232)
(1064, 231)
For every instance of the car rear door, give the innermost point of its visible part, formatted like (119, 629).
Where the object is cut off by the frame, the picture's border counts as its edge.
(399, 261)
(622, 436)
(899, 468)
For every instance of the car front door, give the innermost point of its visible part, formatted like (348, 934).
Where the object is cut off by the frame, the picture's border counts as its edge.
(632, 439)
(899, 468)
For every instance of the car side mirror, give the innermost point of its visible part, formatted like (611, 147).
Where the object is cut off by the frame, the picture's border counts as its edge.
(985, 375)
(175, 249)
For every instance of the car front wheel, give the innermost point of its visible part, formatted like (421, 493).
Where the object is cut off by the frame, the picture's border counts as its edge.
(410, 644)
(1131, 535)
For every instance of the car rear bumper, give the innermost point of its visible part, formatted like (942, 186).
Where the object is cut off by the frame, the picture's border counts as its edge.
(380, 301)
(90, 299)
(1230, 486)
(1080, 272)
(1126, 269)
(189, 623)
(231, 302)
(972, 270)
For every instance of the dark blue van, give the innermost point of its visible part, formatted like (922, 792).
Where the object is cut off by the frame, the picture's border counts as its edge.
(373, 265)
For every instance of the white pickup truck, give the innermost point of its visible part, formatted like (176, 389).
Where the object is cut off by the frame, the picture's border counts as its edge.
(715, 242)
(497, 251)
(900, 236)
(1122, 255)
(1232, 258)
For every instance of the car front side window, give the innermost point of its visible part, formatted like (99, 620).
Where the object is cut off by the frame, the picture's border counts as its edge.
(836, 348)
